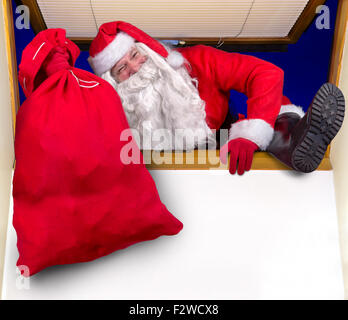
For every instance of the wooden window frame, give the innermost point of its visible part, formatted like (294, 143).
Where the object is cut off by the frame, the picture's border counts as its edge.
(193, 160)
(302, 23)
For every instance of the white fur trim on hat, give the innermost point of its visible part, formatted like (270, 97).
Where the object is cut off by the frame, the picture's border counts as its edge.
(175, 59)
(292, 108)
(256, 130)
(111, 54)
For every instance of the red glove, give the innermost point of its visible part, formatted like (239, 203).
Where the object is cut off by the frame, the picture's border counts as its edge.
(241, 151)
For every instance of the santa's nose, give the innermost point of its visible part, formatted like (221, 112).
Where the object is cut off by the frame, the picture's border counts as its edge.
(134, 66)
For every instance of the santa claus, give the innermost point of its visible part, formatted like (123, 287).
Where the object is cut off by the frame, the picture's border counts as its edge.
(180, 89)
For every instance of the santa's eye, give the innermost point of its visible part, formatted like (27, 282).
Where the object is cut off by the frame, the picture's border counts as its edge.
(121, 69)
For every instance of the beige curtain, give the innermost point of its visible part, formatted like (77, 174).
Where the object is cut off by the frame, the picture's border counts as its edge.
(339, 159)
(6, 134)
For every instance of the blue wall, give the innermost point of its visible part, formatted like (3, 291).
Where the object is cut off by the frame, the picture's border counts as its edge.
(305, 64)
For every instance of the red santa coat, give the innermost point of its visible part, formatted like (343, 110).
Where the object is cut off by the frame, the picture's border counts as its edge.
(218, 72)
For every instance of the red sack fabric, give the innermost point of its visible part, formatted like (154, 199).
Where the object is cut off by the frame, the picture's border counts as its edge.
(74, 199)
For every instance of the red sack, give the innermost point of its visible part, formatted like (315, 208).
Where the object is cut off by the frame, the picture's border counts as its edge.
(74, 199)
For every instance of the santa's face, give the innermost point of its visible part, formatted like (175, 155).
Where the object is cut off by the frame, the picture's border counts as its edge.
(160, 102)
(130, 63)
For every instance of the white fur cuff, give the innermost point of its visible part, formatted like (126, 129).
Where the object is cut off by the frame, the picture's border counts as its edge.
(113, 52)
(292, 108)
(255, 130)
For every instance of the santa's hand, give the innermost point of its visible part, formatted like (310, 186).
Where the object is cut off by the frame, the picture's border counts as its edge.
(241, 151)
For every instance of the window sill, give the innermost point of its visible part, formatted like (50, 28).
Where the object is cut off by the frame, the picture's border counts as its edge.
(209, 159)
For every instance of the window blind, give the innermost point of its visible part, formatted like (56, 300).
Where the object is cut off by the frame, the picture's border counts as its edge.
(177, 18)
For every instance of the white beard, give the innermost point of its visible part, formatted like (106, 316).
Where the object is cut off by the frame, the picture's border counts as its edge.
(158, 101)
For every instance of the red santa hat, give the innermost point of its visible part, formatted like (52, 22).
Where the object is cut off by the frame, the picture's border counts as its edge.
(113, 41)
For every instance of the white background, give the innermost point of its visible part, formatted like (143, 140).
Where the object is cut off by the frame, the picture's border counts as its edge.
(263, 235)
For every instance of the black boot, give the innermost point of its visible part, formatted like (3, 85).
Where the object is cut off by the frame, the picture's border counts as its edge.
(301, 143)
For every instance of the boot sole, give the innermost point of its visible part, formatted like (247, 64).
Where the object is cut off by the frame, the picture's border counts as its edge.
(325, 120)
